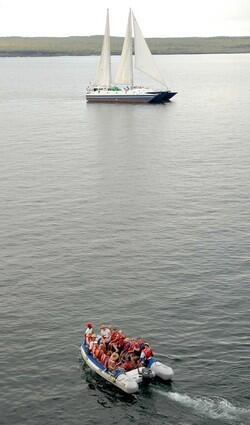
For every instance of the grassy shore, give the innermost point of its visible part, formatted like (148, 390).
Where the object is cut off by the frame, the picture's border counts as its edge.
(84, 46)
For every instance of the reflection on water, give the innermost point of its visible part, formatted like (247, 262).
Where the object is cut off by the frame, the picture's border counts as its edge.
(137, 215)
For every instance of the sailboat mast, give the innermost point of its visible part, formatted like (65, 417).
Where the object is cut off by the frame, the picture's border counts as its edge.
(131, 46)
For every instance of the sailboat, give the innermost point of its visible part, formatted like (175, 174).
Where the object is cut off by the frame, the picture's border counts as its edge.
(123, 88)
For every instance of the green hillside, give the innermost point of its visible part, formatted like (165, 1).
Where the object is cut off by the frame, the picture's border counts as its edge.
(82, 46)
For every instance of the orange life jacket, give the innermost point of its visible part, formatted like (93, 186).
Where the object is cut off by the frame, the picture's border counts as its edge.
(103, 358)
(96, 352)
(106, 362)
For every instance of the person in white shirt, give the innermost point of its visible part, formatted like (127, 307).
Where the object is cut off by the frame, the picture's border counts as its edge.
(105, 333)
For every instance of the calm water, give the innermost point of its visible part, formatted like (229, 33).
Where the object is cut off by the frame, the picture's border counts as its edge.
(134, 215)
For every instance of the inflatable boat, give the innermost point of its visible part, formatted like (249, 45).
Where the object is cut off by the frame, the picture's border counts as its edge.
(127, 381)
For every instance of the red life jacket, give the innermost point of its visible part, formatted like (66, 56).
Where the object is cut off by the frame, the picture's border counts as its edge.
(114, 336)
(148, 352)
(127, 365)
(120, 342)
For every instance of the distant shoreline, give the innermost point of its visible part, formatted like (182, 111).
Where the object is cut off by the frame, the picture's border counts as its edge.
(91, 46)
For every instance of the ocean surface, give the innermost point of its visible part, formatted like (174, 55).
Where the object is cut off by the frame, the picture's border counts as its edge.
(134, 215)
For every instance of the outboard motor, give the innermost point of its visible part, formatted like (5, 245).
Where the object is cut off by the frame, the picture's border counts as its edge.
(147, 375)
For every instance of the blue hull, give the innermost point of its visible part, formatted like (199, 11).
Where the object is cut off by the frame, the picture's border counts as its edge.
(162, 96)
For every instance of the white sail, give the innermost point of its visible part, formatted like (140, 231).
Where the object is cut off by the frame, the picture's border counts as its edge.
(124, 73)
(104, 68)
(144, 60)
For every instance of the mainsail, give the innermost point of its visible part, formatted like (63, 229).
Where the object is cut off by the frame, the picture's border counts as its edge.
(104, 68)
(144, 60)
(124, 73)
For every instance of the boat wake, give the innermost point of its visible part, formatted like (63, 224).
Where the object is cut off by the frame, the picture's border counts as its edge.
(214, 408)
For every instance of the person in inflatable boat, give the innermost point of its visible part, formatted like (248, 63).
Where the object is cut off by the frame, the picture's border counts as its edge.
(146, 354)
(88, 332)
(113, 361)
(91, 341)
(117, 341)
(105, 333)
(130, 363)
